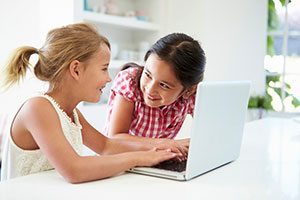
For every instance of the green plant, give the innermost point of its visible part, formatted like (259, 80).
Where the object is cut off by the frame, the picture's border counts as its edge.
(261, 102)
(273, 83)
(273, 24)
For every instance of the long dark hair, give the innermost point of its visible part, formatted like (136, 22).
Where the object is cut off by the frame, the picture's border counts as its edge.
(183, 53)
(185, 56)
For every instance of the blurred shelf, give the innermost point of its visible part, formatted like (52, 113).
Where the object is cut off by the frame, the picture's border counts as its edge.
(117, 64)
(122, 22)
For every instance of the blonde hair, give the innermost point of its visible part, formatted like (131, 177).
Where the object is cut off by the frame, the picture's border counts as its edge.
(63, 45)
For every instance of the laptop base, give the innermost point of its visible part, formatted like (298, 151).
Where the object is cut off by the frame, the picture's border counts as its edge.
(179, 176)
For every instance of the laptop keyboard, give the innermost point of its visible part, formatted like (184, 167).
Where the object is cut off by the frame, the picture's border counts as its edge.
(172, 165)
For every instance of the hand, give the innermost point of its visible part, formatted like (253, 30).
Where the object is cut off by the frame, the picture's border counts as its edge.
(153, 157)
(177, 146)
(184, 143)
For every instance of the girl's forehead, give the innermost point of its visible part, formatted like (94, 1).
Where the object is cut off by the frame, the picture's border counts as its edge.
(161, 70)
(101, 55)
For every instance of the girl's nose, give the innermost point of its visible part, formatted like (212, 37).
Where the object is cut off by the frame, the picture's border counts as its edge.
(150, 87)
(108, 79)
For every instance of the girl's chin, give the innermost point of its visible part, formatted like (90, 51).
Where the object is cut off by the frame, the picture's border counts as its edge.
(94, 100)
(152, 104)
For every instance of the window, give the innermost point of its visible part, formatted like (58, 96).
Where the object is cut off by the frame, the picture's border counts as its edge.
(282, 62)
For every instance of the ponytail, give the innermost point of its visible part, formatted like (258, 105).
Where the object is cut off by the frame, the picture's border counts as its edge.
(77, 41)
(18, 65)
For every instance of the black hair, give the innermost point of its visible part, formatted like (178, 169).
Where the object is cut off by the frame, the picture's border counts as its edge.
(129, 65)
(185, 56)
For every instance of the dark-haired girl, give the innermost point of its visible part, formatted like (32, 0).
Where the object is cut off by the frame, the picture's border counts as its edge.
(150, 103)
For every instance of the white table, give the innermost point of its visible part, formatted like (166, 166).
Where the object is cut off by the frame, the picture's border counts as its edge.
(268, 168)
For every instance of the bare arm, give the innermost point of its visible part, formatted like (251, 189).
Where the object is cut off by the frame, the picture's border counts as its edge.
(104, 145)
(120, 120)
(48, 135)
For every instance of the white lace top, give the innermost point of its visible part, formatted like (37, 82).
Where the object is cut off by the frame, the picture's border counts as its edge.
(18, 162)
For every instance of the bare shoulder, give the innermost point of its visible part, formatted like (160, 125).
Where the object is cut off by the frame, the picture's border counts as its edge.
(37, 104)
(34, 118)
(38, 109)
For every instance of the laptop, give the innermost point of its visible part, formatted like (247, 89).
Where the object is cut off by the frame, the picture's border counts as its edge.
(216, 133)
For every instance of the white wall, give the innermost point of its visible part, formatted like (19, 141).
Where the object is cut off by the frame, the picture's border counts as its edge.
(19, 22)
(55, 13)
(232, 33)
(27, 23)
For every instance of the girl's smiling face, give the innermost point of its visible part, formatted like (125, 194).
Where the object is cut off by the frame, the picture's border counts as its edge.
(96, 74)
(158, 83)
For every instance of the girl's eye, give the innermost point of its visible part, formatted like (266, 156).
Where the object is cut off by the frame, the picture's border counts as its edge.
(164, 86)
(148, 75)
(105, 69)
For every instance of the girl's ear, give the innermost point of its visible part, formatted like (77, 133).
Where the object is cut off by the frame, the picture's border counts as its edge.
(189, 92)
(75, 69)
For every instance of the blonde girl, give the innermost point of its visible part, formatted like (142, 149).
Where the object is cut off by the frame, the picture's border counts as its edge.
(48, 131)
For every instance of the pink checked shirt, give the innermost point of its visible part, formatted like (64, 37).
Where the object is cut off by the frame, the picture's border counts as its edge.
(149, 122)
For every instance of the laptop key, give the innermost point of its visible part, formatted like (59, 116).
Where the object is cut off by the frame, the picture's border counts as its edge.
(172, 165)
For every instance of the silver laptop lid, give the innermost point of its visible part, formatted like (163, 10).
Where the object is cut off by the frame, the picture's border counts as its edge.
(217, 130)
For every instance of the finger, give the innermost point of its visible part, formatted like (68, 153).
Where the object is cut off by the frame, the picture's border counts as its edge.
(154, 149)
(185, 154)
(164, 150)
(162, 156)
(175, 149)
(185, 143)
(176, 153)
(168, 156)
(186, 150)
(181, 149)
